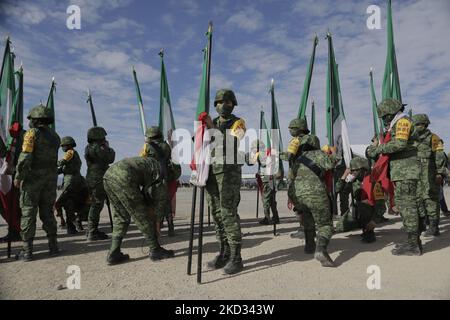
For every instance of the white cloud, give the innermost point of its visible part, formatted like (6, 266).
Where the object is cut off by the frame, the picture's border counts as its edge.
(25, 13)
(248, 19)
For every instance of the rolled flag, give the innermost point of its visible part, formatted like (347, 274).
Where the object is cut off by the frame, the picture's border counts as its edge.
(307, 83)
(140, 103)
(51, 102)
(166, 120)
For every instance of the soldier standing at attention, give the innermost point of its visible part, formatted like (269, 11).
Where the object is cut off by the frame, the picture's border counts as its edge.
(98, 157)
(36, 177)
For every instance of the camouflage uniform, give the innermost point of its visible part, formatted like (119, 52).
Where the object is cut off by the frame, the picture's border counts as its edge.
(134, 188)
(98, 157)
(311, 195)
(428, 188)
(343, 191)
(269, 188)
(36, 169)
(70, 166)
(223, 184)
(157, 148)
(404, 171)
(442, 164)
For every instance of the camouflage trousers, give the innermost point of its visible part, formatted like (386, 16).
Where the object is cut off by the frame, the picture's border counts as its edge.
(379, 209)
(98, 196)
(406, 202)
(223, 196)
(344, 198)
(429, 208)
(38, 192)
(128, 202)
(269, 200)
(316, 212)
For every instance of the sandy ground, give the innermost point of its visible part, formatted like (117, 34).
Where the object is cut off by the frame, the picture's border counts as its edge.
(275, 266)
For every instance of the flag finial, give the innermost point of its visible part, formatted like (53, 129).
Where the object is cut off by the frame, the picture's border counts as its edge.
(161, 53)
(210, 26)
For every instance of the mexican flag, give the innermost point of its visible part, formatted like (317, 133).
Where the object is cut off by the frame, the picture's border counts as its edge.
(7, 92)
(51, 102)
(391, 79)
(166, 120)
(307, 83)
(275, 125)
(140, 104)
(313, 118)
(336, 124)
(201, 160)
(377, 125)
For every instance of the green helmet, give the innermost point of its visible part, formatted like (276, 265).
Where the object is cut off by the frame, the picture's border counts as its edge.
(310, 140)
(359, 163)
(68, 141)
(153, 132)
(254, 144)
(300, 124)
(96, 133)
(225, 94)
(40, 112)
(421, 119)
(389, 106)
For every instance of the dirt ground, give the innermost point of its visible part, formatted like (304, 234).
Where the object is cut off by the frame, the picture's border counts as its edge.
(275, 266)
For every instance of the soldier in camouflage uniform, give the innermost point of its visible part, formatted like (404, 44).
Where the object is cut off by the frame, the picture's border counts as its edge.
(431, 174)
(156, 147)
(404, 170)
(442, 162)
(310, 195)
(37, 178)
(364, 213)
(70, 166)
(269, 190)
(135, 189)
(224, 181)
(98, 157)
(297, 129)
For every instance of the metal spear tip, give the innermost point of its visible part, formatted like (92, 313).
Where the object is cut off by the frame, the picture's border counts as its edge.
(53, 79)
(161, 52)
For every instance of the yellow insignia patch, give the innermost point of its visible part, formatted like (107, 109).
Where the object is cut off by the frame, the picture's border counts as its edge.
(28, 142)
(435, 141)
(238, 129)
(293, 146)
(402, 129)
(378, 193)
(68, 155)
(144, 151)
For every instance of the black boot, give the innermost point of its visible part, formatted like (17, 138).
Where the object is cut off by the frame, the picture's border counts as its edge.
(79, 225)
(71, 228)
(96, 235)
(310, 242)
(321, 253)
(171, 232)
(422, 224)
(115, 256)
(368, 236)
(53, 249)
(410, 248)
(433, 230)
(266, 220)
(222, 258)
(26, 254)
(160, 253)
(12, 236)
(235, 264)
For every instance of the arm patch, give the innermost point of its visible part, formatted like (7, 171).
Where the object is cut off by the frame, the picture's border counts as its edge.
(28, 141)
(238, 128)
(68, 155)
(435, 142)
(402, 129)
(144, 151)
(378, 193)
(293, 146)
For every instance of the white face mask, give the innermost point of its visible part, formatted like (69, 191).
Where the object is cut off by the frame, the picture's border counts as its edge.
(350, 178)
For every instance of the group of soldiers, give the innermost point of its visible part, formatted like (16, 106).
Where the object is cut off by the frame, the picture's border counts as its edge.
(139, 187)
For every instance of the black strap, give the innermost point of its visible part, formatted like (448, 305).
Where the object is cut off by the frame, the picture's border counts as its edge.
(311, 165)
(161, 158)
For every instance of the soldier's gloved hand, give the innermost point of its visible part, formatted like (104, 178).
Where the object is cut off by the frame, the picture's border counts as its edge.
(17, 183)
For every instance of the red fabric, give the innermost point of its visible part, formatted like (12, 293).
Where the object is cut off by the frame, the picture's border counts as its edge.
(259, 183)
(15, 129)
(367, 190)
(199, 137)
(11, 207)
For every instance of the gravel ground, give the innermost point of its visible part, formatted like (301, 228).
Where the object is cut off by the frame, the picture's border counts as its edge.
(275, 266)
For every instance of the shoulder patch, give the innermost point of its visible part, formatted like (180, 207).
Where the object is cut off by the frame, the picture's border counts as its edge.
(293, 146)
(28, 141)
(378, 193)
(68, 155)
(435, 141)
(403, 129)
(144, 151)
(238, 128)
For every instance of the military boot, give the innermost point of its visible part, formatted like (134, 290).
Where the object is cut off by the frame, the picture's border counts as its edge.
(234, 265)
(422, 224)
(310, 242)
(115, 256)
(321, 253)
(79, 225)
(410, 248)
(26, 253)
(71, 228)
(96, 235)
(368, 236)
(275, 218)
(53, 249)
(170, 225)
(433, 230)
(266, 220)
(160, 253)
(222, 258)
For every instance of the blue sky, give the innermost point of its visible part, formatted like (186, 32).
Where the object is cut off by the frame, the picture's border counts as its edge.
(254, 41)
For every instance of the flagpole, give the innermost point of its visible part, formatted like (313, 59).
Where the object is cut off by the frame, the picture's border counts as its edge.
(259, 164)
(140, 103)
(191, 233)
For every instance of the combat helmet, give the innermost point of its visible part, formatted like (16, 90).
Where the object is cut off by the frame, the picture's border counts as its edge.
(225, 94)
(300, 124)
(96, 133)
(389, 106)
(40, 112)
(421, 119)
(310, 140)
(153, 132)
(358, 163)
(68, 141)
